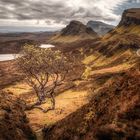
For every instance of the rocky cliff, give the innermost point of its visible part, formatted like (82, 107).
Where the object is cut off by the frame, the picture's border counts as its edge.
(125, 36)
(130, 17)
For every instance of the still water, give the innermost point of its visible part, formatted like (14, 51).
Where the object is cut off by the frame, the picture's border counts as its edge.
(6, 57)
(45, 46)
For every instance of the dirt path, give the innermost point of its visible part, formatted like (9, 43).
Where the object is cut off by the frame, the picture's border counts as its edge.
(66, 103)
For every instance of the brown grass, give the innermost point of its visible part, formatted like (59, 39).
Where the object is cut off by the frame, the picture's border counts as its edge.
(66, 103)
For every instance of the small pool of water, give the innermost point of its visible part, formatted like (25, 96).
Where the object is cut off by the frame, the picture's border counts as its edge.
(45, 46)
(6, 57)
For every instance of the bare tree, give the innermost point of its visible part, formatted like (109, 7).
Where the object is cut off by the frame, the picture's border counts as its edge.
(44, 70)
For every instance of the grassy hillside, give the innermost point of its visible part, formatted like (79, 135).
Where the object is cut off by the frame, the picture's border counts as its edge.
(70, 38)
(100, 99)
(73, 32)
(112, 113)
(112, 77)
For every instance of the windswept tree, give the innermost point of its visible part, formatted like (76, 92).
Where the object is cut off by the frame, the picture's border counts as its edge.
(44, 70)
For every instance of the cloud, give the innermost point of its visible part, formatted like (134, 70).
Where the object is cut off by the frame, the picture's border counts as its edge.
(60, 12)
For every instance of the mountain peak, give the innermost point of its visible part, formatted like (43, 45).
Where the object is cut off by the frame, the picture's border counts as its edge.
(75, 22)
(77, 28)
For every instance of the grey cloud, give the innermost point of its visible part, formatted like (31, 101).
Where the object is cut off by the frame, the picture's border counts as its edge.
(48, 10)
(59, 12)
(13, 2)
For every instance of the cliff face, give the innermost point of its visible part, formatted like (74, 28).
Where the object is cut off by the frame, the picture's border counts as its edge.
(77, 28)
(125, 36)
(13, 122)
(130, 17)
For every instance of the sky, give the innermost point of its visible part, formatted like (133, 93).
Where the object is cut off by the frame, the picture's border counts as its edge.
(56, 14)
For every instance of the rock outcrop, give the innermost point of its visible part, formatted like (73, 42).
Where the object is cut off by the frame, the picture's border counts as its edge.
(14, 124)
(77, 28)
(130, 17)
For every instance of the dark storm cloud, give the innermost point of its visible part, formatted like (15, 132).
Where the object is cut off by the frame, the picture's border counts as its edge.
(15, 3)
(54, 11)
(47, 10)
(26, 9)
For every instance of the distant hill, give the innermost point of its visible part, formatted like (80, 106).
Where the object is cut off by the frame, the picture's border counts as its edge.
(77, 28)
(12, 42)
(100, 27)
(74, 31)
(27, 29)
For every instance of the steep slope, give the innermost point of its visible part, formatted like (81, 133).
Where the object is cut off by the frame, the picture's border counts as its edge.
(113, 111)
(13, 121)
(100, 27)
(120, 46)
(126, 35)
(118, 50)
(73, 32)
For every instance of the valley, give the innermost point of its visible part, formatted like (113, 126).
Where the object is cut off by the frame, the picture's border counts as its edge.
(98, 100)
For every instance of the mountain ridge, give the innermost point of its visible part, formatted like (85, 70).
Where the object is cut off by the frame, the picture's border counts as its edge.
(77, 28)
(74, 31)
(100, 27)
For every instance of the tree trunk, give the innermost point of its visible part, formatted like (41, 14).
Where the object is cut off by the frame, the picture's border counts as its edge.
(41, 100)
(53, 101)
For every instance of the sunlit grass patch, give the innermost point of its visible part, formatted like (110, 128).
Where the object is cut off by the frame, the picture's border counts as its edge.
(66, 103)
(87, 72)
(89, 59)
(70, 38)
(114, 69)
(65, 39)
(121, 33)
(19, 88)
(104, 61)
